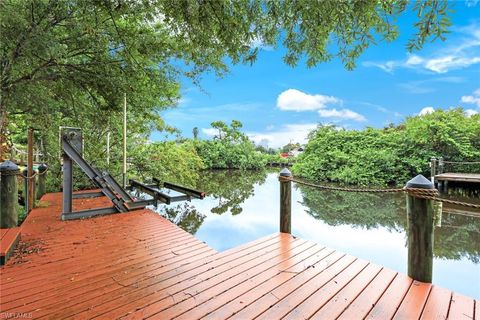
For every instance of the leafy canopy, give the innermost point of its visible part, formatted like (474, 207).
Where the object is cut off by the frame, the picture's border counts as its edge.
(71, 62)
(392, 155)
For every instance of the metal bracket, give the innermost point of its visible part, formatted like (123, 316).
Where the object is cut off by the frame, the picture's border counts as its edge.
(72, 147)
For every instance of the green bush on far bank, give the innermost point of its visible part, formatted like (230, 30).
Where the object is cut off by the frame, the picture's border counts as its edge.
(230, 149)
(392, 155)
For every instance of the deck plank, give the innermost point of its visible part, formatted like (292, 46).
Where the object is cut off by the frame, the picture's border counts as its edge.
(437, 304)
(338, 304)
(461, 307)
(231, 293)
(139, 265)
(413, 303)
(128, 300)
(8, 243)
(388, 303)
(322, 272)
(235, 305)
(460, 177)
(318, 298)
(362, 305)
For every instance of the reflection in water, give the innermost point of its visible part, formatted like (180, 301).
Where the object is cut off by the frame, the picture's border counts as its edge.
(457, 235)
(230, 188)
(185, 216)
(243, 206)
(364, 210)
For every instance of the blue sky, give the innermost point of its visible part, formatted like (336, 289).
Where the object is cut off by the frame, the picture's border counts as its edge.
(278, 104)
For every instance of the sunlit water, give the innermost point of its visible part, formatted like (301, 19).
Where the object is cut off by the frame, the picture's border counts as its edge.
(244, 206)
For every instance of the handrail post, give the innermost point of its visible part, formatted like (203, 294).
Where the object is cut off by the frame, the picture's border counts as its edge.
(441, 165)
(8, 195)
(433, 168)
(285, 179)
(42, 180)
(420, 215)
(25, 190)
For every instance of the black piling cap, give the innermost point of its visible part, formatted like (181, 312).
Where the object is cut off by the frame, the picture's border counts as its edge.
(7, 166)
(285, 173)
(420, 182)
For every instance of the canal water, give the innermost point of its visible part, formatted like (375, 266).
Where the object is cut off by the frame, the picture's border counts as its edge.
(244, 206)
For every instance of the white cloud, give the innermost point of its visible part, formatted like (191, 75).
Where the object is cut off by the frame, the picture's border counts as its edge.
(471, 3)
(260, 44)
(470, 112)
(295, 100)
(287, 133)
(473, 99)
(426, 110)
(344, 114)
(387, 66)
(447, 63)
(427, 85)
(460, 55)
(210, 132)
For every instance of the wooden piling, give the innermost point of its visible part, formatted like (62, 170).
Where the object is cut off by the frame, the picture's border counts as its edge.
(285, 201)
(420, 214)
(8, 195)
(42, 181)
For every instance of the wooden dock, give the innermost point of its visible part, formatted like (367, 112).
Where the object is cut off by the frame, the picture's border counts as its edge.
(458, 177)
(139, 265)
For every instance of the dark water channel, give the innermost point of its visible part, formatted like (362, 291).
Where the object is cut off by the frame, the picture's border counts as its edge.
(244, 206)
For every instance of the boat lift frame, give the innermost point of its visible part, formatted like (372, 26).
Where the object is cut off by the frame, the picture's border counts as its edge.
(72, 147)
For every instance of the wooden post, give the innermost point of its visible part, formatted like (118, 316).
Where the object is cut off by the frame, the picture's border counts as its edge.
(420, 214)
(31, 181)
(8, 195)
(108, 149)
(285, 201)
(42, 181)
(441, 165)
(25, 189)
(433, 168)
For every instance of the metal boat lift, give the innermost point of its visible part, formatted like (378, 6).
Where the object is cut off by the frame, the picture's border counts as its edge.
(72, 147)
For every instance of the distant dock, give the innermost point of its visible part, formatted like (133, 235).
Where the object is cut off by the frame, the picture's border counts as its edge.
(459, 177)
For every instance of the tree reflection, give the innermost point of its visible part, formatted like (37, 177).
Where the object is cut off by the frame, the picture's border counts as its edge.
(363, 210)
(185, 216)
(230, 188)
(456, 237)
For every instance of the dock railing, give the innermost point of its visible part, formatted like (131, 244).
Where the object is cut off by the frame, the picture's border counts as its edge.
(421, 197)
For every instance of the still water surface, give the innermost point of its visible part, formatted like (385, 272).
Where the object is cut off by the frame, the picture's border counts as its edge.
(244, 206)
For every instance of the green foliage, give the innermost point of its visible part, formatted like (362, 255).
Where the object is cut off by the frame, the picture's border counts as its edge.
(391, 155)
(230, 149)
(263, 149)
(167, 161)
(289, 147)
(276, 159)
